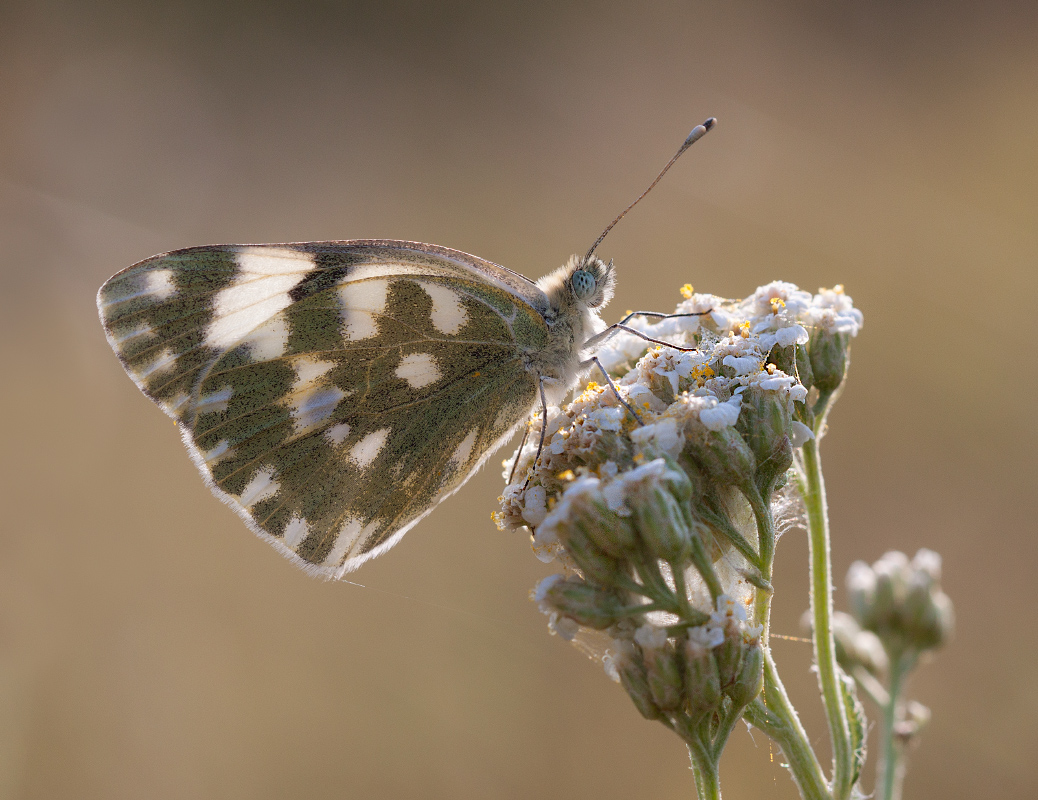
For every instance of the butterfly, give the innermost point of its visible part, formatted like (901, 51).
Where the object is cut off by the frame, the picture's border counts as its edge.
(333, 393)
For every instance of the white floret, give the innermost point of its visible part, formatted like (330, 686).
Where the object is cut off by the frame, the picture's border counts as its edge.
(721, 415)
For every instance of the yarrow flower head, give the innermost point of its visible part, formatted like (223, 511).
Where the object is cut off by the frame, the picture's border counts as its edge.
(656, 489)
(901, 601)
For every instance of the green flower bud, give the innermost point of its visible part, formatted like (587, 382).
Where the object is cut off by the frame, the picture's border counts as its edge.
(729, 656)
(861, 591)
(793, 360)
(578, 523)
(892, 578)
(764, 422)
(589, 605)
(604, 527)
(702, 681)
(658, 495)
(829, 351)
(724, 457)
(634, 678)
(803, 369)
(934, 626)
(664, 670)
(750, 680)
(596, 565)
(729, 620)
(855, 647)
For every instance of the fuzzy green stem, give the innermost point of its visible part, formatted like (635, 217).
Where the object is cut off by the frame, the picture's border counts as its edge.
(890, 771)
(813, 491)
(654, 586)
(708, 779)
(766, 543)
(681, 593)
(701, 561)
(724, 730)
(774, 714)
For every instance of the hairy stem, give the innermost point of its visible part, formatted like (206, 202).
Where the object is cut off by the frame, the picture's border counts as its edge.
(774, 714)
(766, 539)
(890, 770)
(708, 780)
(813, 491)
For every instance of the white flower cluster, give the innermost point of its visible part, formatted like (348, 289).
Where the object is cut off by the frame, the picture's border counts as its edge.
(679, 395)
(655, 515)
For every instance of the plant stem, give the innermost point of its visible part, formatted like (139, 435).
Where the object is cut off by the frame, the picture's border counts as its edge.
(890, 771)
(766, 543)
(774, 714)
(724, 730)
(813, 491)
(708, 781)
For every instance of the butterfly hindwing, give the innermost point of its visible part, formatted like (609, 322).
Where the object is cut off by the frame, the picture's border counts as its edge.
(331, 393)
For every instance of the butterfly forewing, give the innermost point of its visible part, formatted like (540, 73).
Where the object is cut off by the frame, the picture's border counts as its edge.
(331, 393)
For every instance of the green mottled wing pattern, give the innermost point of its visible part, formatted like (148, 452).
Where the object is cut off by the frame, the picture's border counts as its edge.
(331, 393)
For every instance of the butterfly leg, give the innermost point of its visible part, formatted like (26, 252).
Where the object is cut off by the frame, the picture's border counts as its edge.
(522, 444)
(631, 315)
(544, 427)
(609, 381)
(601, 338)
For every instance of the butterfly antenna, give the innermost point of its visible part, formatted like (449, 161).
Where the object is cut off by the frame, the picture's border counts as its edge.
(697, 133)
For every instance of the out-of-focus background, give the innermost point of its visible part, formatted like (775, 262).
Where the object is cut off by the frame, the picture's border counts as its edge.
(151, 647)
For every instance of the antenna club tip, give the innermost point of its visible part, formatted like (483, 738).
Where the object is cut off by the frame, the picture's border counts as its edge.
(698, 132)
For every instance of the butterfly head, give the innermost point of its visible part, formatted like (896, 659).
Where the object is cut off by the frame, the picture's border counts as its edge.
(590, 281)
(577, 291)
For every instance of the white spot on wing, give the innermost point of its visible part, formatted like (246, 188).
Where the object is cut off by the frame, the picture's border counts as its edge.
(214, 402)
(348, 534)
(159, 283)
(418, 369)
(269, 340)
(259, 488)
(309, 369)
(367, 449)
(310, 408)
(448, 314)
(362, 301)
(461, 454)
(295, 531)
(258, 292)
(337, 433)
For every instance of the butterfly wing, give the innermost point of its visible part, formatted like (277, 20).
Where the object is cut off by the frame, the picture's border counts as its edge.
(331, 393)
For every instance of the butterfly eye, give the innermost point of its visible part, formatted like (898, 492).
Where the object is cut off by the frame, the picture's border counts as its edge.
(583, 283)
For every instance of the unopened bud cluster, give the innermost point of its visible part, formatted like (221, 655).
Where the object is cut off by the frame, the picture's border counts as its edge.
(901, 601)
(657, 520)
(714, 668)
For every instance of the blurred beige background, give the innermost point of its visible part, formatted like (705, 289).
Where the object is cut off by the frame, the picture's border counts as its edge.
(151, 647)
